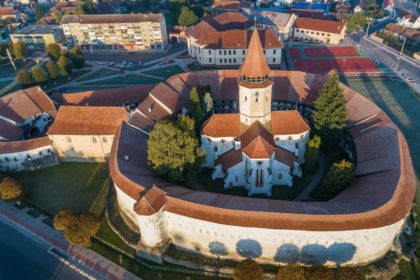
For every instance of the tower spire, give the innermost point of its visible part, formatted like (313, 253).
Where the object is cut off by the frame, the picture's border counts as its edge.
(254, 69)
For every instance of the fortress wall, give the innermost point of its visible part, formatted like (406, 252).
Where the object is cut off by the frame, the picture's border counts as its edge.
(273, 246)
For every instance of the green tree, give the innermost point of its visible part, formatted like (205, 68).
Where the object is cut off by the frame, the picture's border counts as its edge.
(248, 270)
(19, 50)
(89, 7)
(65, 66)
(38, 75)
(291, 271)
(53, 51)
(23, 77)
(330, 114)
(10, 189)
(319, 272)
(77, 58)
(186, 124)
(195, 108)
(57, 16)
(172, 152)
(38, 13)
(340, 175)
(62, 218)
(207, 104)
(356, 22)
(78, 228)
(52, 69)
(312, 152)
(187, 17)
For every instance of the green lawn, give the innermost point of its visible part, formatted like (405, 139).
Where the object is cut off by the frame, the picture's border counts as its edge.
(73, 186)
(165, 72)
(100, 73)
(131, 79)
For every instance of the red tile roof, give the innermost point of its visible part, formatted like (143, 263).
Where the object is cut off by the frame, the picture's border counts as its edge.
(288, 122)
(285, 157)
(229, 159)
(255, 64)
(87, 120)
(153, 200)
(255, 130)
(259, 148)
(6, 11)
(235, 39)
(25, 104)
(24, 145)
(222, 125)
(9, 131)
(108, 97)
(319, 25)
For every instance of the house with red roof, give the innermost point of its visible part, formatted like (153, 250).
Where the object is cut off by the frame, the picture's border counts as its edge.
(255, 148)
(319, 30)
(224, 39)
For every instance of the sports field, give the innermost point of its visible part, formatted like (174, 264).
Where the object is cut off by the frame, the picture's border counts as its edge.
(343, 59)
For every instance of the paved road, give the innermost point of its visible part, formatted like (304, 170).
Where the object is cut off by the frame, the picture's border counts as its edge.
(23, 258)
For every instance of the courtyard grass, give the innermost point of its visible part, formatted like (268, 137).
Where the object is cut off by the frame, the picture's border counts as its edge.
(131, 79)
(100, 73)
(73, 186)
(165, 72)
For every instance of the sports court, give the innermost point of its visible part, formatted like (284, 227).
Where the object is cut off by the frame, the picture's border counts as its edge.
(320, 59)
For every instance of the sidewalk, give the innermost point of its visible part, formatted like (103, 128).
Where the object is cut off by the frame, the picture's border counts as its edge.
(85, 261)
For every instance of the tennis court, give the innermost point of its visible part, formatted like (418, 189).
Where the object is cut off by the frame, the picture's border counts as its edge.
(343, 59)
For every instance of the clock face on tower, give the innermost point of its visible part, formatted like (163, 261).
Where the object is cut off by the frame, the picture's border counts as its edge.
(256, 94)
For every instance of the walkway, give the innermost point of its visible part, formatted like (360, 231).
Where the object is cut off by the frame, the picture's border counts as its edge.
(82, 260)
(304, 196)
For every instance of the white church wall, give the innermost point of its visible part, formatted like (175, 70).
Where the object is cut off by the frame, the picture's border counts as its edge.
(126, 204)
(289, 142)
(281, 174)
(236, 176)
(153, 229)
(216, 146)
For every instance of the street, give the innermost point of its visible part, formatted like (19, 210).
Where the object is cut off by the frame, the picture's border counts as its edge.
(23, 258)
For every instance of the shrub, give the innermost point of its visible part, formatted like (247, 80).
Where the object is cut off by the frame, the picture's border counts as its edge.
(10, 189)
(291, 272)
(38, 75)
(312, 152)
(340, 175)
(23, 77)
(248, 270)
(78, 228)
(53, 51)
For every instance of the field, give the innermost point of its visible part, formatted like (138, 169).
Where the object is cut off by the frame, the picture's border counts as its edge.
(344, 60)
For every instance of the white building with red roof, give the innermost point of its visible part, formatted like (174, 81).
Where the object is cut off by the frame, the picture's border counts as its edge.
(255, 148)
(224, 39)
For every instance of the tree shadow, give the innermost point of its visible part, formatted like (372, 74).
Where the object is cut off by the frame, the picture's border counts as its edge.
(249, 248)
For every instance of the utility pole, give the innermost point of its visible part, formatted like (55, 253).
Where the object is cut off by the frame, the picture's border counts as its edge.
(401, 52)
(11, 59)
(367, 31)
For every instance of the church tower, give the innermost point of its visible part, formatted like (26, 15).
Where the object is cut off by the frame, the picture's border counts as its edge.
(255, 87)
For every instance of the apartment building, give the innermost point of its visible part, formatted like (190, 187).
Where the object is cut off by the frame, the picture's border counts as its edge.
(136, 32)
(319, 31)
(38, 37)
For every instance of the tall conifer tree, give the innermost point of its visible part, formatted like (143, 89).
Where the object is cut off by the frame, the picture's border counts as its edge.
(330, 113)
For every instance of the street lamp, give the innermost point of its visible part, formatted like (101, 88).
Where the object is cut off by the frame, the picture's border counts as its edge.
(401, 52)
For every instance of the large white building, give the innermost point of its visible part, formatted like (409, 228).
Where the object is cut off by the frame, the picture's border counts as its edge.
(85, 133)
(118, 31)
(255, 148)
(224, 39)
(282, 23)
(319, 30)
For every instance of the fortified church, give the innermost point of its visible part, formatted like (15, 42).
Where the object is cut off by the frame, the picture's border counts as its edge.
(257, 147)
